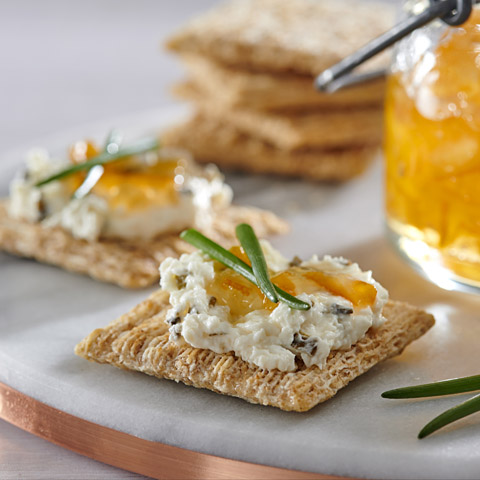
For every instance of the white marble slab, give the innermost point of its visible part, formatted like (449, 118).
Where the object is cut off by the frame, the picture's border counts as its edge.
(44, 312)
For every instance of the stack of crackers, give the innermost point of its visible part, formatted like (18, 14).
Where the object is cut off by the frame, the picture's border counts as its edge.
(251, 66)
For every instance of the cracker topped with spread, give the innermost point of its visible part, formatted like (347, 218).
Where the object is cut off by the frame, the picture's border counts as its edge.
(115, 213)
(215, 324)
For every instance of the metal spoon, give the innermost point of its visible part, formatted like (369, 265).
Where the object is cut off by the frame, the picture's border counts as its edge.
(452, 12)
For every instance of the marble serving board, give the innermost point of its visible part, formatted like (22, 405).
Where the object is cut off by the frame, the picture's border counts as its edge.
(45, 311)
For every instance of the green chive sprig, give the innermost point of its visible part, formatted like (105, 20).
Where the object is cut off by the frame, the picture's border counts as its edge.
(251, 245)
(140, 146)
(444, 387)
(456, 413)
(215, 251)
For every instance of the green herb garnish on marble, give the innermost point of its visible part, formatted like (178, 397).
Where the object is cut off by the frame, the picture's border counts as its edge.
(444, 387)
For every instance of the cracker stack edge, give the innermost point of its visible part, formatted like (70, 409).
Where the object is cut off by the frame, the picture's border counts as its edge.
(251, 66)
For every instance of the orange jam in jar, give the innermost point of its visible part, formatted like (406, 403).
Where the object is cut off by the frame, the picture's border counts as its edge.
(242, 297)
(432, 152)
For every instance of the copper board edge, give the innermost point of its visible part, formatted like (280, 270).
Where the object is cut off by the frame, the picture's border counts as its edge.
(152, 459)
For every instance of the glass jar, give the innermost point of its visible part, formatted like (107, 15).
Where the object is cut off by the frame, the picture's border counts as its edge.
(432, 151)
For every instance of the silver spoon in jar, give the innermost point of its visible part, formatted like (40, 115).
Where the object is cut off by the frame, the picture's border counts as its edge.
(452, 12)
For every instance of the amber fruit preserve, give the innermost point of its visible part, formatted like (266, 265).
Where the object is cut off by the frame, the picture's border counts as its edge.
(432, 158)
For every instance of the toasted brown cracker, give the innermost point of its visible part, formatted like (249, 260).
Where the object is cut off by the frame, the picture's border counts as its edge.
(126, 263)
(139, 340)
(210, 140)
(236, 88)
(302, 36)
(291, 131)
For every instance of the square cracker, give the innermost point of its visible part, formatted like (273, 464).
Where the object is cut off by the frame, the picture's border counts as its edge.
(128, 264)
(237, 88)
(139, 340)
(292, 131)
(211, 140)
(301, 36)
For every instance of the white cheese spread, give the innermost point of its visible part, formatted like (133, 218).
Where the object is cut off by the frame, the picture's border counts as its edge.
(82, 217)
(270, 339)
(91, 217)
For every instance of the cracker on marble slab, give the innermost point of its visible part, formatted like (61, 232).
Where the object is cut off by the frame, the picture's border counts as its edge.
(236, 88)
(129, 264)
(301, 36)
(139, 340)
(215, 141)
(291, 131)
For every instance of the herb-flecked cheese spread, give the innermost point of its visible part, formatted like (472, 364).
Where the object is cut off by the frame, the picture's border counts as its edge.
(155, 197)
(214, 308)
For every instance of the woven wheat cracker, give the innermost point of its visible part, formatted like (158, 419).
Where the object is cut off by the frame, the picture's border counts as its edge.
(139, 340)
(237, 88)
(210, 140)
(128, 264)
(291, 131)
(301, 36)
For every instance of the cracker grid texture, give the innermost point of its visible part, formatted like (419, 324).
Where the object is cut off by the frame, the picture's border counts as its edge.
(301, 36)
(215, 141)
(290, 131)
(251, 65)
(128, 264)
(139, 341)
(232, 87)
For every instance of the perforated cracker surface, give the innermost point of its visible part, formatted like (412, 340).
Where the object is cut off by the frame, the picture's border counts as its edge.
(240, 88)
(130, 264)
(302, 36)
(139, 340)
(211, 140)
(297, 130)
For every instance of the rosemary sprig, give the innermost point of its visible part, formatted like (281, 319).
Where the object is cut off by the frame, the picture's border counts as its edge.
(456, 413)
(444, 387)
(215, 251)
(141, 146)
(249, 242)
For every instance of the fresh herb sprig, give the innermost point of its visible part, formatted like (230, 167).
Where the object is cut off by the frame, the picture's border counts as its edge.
(444, 387)
(251, 245)
(215, 251)
(140, 146)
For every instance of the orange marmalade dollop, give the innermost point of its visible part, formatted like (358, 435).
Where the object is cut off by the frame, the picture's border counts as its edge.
(233, 290)
(129, 184)
(432, 151)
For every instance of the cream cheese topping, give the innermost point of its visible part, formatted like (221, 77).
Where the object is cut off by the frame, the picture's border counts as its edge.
(92, 217)
(268, 339)
(34, 204)
(82, 217)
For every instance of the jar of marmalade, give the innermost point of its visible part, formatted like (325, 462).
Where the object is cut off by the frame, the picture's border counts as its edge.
(432, 151)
